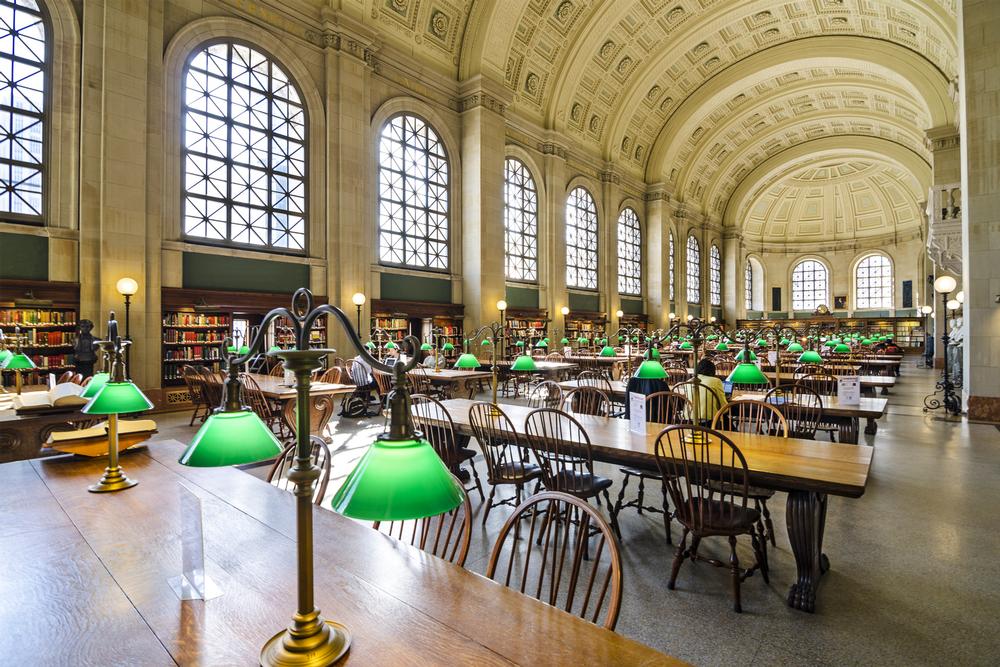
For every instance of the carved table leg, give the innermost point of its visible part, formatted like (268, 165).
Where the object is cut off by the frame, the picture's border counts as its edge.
(806, 518)
(872, 427)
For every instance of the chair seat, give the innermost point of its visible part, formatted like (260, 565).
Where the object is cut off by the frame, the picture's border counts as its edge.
(753, 492)
(581, 484)
(466, 454)
(723, 518)
(645, 474)
(517, 472)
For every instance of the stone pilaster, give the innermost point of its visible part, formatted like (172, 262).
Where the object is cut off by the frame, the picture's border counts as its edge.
(554, 208)
(608, 277)
(655, 248)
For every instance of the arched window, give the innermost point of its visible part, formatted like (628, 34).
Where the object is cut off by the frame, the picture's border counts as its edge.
(873, 283)
(244, 150)
(581, 240)
(629, 253)
(412, 195)
(520, 219)
(715, 276)
(693, 270)
(809, 285)
(670, 267)
(748, 286)
(23, 36)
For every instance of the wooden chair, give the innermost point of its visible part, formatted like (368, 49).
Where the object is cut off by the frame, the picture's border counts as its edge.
(841, 369)
(269, 413)
(278, 476)
(564, 574)
(211, 386)
(801, 406)
(539, 353)
(840, 429)
(708, 401)
(587, 401)
(332, 375)
(65, 377)
(555, 356)
(506, 457)
(807, 369)
(676, 373)
(662, 407)
(321, 411)
(383, 383)
(724, 366)
(446, 535)
(600, 380)
(583, 352)
(195, 387)
(277, 370)
(545, 394)
(754, 417)
(688, 458)
(562, 448)
(433, 419)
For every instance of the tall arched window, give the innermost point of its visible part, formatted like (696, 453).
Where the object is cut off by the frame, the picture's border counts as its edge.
(693, 270)
(873, 282)
(520, 219)
(581, 240)
(412, 195)
(244, 150)
(23, 36)
(809, 285)
(748, 286)
(670, 267)
(629, 253)
(715, 276)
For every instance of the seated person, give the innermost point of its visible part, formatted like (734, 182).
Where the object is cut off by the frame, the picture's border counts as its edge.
(711, 386)
(892, 348)
(429, 360)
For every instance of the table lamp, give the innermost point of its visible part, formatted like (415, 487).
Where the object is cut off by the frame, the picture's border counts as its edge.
(523, 363)
(99, 379)
(117, 396)
(746, 354)
(794, 347)
(810, 357)
(650, 370)
(17, 361)
(842, 348)
(607, 351)
(747, 373)
(722, 347)
(467, 361)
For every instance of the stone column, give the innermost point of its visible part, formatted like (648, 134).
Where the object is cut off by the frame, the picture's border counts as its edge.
(608, 231)
(945, 146)
(655, 251)
(979, 23)
(553, 264)
(483, 136)
(733, 278)
(680, 264)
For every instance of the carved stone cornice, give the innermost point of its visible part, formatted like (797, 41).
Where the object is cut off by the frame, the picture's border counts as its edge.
(942, 138)
(656, 192)
(483, 92)
(552, 148)
(482, 99)
(346, 44)
(609, 175)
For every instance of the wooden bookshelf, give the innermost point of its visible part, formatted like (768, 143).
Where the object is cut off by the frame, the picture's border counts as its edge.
(529, 325)
(908, 332)
(403, 318)
(46, 315)
(589, 325)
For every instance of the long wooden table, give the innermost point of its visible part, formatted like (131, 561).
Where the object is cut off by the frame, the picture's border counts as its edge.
(456, 380)
(806, 469)
(86, 579)
(274, 388)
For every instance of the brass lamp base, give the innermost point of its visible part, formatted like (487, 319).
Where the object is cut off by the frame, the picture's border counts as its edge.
(324, 648)
(113, 479)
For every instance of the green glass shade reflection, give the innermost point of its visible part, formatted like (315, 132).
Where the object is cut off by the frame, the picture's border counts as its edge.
(523, 363)
(398, 480)
(722, 347)
(541, 344)
(607, 351)
(650, 370)
(117, 398)
(653, 354)
(795, 347)
(842, 349)
(742, 355)
(4, 356)
(447, 347)
(565, 341)
(686, 345)
(426, 346)
(467, 361)
(783, 342)
(747, 373)
(18, 362)
(390, 345)
(95, 384)
(486, 341)
(519, 343)
(231, 438)
(582, 341)
(810, 357)
(370, 345)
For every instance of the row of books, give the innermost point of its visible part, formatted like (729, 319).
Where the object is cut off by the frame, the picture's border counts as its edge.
(35, 316)
(42, 338)
(194, 320)
(176, 371)
(181, 336)
(197, 352)
(390, 322)
(52, 360)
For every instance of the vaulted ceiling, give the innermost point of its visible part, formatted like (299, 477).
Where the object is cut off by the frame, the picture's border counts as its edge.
(698, 94)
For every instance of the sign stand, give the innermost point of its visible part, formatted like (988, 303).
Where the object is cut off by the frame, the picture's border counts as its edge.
(192, 583)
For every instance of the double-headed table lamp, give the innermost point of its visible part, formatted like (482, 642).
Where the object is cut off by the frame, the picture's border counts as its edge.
(400, 477)
(16, 361)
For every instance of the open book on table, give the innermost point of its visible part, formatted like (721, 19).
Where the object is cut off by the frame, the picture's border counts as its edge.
(65, 394)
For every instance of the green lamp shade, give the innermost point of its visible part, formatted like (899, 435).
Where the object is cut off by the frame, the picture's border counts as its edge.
(686, 345)
(244, 349)
(866, 341)
(523, 363)
(582, 341)
(565, 341)
(229, 439)
(519, 343)
(274, 348)
(546, 339)
(486, 341)
(541, 343)
(650, 370)
(18, 362)
(742, 355)
(370, 345)
(747, 373)
(711, 337)
(95, 385)
(761, 342)
(467, 361)
(830, 343)
(653, 354)
(447, 347)
(607, 351)
(621, 339)
(635, 339)
(231, 349)
(117, 398)
(810, 357)
(390, 345)
(795, 347)
(398, 480)
(783, 342)
(842, 348)
(4, 356)
(426, 346)
(722, 347)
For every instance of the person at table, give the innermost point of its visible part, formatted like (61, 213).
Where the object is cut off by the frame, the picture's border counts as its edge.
(710, 386)
(430, 360)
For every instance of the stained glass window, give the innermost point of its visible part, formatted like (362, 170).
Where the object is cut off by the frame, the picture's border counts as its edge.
(244, 150)
(581, 240)
(715, 276)
(520, 219)
(629, 253)
(670, 267)
(809, 285)
(748, 286)
(873, 281)
(413, 204)
(23, 84)
(693, 270)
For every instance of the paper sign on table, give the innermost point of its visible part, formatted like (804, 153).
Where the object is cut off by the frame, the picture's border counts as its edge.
(637, 412)
(772, 358)
(849, 390)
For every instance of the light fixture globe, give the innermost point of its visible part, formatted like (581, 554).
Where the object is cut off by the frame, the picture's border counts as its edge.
(127, 286)
(953, 304)
(945, 284)
(960, 296)
(501, 305)
(397, 480)
(619, 314)
(467, 362)
(564, 310)
(650, 370)
(607, 351)
(926, 310)
(523, 363)
(358, 299)
(231, 438)
(747, 374)
(95, 384)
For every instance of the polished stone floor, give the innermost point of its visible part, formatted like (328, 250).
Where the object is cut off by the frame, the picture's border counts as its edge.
(913, 578)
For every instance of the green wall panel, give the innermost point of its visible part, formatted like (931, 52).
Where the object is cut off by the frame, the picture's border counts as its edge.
(240, 274)
(777, 315)
(632, 306)
(24, 257)
(587, 302)
(522, 297)
(414, 288)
